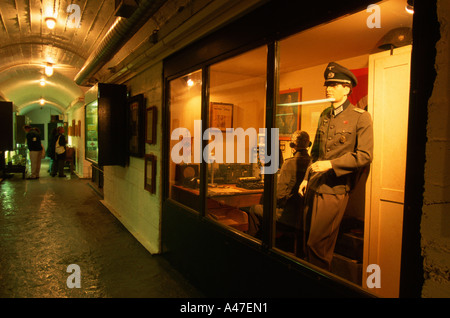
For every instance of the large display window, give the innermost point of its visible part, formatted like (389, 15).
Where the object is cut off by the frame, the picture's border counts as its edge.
(366, 233)
(185, 139)
(333, 88)
(236, 118)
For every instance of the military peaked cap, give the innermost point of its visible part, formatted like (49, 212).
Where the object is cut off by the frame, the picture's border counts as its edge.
(335, 73)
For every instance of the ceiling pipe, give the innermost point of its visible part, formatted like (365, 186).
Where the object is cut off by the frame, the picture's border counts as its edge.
(116, 37)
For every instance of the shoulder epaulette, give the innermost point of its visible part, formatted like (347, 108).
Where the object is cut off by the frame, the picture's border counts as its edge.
(359, 110)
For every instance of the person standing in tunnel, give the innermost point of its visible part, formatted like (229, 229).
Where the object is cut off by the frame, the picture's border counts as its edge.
(60, 152)
(35, 147)
(51, 152)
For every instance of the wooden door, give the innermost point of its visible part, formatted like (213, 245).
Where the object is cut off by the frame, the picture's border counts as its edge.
(389, 82)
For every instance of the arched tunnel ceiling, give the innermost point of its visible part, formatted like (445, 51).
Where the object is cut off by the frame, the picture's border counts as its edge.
(22, 85)
(26, 45)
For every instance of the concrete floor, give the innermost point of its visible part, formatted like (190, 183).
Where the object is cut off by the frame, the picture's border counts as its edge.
(48, 224)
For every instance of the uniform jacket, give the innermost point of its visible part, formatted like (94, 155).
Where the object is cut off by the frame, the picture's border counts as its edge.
(346, 139)
(291, 175)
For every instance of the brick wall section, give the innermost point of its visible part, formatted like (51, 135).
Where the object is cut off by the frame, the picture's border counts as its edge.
(435, 227)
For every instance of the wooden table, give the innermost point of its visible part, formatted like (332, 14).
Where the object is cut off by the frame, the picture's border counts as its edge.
(223, 202)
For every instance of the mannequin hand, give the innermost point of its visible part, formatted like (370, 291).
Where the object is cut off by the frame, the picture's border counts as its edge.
(321, 166)
(302, 188)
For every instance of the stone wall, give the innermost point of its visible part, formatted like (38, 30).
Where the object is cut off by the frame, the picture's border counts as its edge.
(435, 227)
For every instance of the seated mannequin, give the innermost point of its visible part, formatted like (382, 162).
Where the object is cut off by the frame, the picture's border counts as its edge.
(289, 202)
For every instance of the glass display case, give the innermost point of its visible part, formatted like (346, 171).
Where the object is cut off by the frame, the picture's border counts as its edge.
(106, 125)
(92, 131)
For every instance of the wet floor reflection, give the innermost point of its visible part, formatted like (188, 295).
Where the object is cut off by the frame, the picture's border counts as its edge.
(50, 223)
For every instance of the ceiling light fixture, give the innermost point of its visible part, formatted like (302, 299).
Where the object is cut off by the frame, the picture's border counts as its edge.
(49, 69)
(42, 82)
(410, 6)
(42, 101)
(51, 22)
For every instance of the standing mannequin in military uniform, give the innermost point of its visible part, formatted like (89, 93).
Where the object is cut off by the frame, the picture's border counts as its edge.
(289, 203)
(343, 145)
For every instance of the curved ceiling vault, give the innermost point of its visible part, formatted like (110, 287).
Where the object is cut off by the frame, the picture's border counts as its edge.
(22, 85)
(27, 45)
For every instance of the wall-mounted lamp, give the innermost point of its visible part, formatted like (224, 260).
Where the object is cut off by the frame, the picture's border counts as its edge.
(42, 82)
(49, 69)
(409, 6)
(42, 101)
(51, 22)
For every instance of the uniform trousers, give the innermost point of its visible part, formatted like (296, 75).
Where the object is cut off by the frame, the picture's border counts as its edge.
(324, 216)
(35, 162)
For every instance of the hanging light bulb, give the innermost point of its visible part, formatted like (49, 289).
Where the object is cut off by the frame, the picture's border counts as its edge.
(51, 22)
(49, 69)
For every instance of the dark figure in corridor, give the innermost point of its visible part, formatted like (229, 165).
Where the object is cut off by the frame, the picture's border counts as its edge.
(51, 151)
(60, 153)
(35, 147)
(289, 202)
(342, 147)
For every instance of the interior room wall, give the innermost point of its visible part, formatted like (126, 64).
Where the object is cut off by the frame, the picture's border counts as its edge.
(247, 95)
(311, 80)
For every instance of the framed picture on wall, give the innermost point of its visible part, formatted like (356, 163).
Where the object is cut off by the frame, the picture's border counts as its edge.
(136, 125)
(221, 116)
(72, 128)
(79, 128)
(288, 112)
(150, 173)
(150, 125)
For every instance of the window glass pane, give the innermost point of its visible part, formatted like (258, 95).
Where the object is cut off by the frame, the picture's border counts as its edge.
(347, 141)
(92, 131)
(236, 115)
(185, 121)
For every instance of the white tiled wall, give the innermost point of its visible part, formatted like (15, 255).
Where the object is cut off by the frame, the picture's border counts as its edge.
(124, 193)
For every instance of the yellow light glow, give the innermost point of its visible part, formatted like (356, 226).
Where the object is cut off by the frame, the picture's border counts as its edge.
(51, 22)
(42, 82)
(190, 83)
(49, 69)
(409, 9)
(42, 101)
